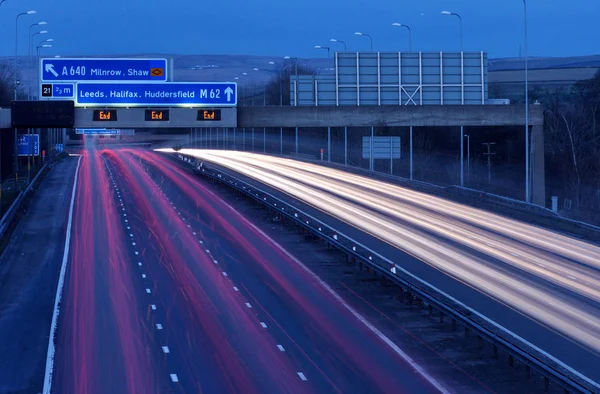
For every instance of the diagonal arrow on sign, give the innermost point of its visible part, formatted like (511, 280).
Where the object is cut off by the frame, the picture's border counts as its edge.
(50, 69)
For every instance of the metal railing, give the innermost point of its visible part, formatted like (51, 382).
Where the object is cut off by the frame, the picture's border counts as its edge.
(517, 348)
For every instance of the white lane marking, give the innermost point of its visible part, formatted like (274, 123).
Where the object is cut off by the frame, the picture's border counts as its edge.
(136, 253)
(133, 243)
(281, 348)
(263, 324)
(165, 349)
(335, 295)
(128, 228)
(224, 273)
(201, 241)
(153, 307)
(248, 305)
(207, 251)
(174, 378)
(302, 376)
(124, 214)
(139, 263)
(131, 235)
(148, 291)
(515, 254)
(158, 326)
(126, 221)
(215, 261)
(235, 288)
(59, 290)
(144, 276)
(571, 277)
(194, 233)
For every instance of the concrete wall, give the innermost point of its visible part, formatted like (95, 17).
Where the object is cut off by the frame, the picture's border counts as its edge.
(417, 116)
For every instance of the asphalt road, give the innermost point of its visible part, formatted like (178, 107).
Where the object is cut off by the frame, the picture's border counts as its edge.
(169, 289)
(542, 286)
(29, 269)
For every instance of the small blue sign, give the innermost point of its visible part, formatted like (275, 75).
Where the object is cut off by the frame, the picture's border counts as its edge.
(98, 131)
(63, 90)
(101, 69)
(28, 144)
(169, 94)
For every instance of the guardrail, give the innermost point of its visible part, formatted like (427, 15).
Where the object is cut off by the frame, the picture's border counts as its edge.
(517, 348)
(14, 207)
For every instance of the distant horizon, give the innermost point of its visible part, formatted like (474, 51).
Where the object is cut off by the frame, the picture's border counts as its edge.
(172, 54)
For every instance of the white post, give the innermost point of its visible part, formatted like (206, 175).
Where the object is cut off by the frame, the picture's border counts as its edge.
(372, 161)
(345, 145)
(462, 157)
(329, 144)
(411, 152)
(296, 140)
(527, 188)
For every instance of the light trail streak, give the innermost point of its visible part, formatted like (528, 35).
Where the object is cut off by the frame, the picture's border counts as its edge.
(291, 284)
(381, 210)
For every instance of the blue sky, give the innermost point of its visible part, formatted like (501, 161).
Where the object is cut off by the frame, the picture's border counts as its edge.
(283, 27)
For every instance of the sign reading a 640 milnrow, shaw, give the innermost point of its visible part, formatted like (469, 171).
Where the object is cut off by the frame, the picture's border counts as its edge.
(103, 69)
(168, 94)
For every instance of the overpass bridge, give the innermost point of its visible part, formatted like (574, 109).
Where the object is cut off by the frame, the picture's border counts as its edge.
(327, 117)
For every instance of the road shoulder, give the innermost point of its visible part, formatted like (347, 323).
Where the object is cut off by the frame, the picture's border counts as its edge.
(29, 268)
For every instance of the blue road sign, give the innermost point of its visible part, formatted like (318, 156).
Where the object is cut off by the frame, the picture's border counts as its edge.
(101, 69)
(98, 131)
(63, 90)
(169, 94)
(28, 145)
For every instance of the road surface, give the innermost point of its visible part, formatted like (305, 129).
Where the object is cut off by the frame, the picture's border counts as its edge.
(543, 286)
(169, 289)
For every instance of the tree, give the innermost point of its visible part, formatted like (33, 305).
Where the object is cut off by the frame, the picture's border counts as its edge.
(6, 83)
(573, 140)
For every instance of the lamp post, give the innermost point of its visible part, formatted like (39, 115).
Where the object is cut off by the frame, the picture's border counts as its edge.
(461, 26)
(365, 35)
(328, 55)
(31, 12)
(409, 34)
(527, 188)
(30, 54)
(341, 42)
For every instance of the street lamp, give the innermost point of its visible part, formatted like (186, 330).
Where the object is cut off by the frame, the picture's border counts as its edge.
(527, 188)
(461, 26)
(30, 54)
(366, 35)
(31, 12)
(341, 42)
(409, 34)
(328, 51)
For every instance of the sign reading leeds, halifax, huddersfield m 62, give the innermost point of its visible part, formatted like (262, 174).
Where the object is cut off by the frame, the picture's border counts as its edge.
(125, 83)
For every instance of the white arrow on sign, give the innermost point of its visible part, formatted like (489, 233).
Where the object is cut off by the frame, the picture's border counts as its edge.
(50, 69)
(228, 92)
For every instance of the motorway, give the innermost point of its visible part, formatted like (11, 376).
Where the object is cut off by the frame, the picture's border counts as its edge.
(168, 289)
(541, 285)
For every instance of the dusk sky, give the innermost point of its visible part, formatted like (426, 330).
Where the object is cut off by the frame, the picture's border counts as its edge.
(281, 27)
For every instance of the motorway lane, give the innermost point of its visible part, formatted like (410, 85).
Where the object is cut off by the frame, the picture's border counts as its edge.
(102, 345)
(546, 276)
(269, 320)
